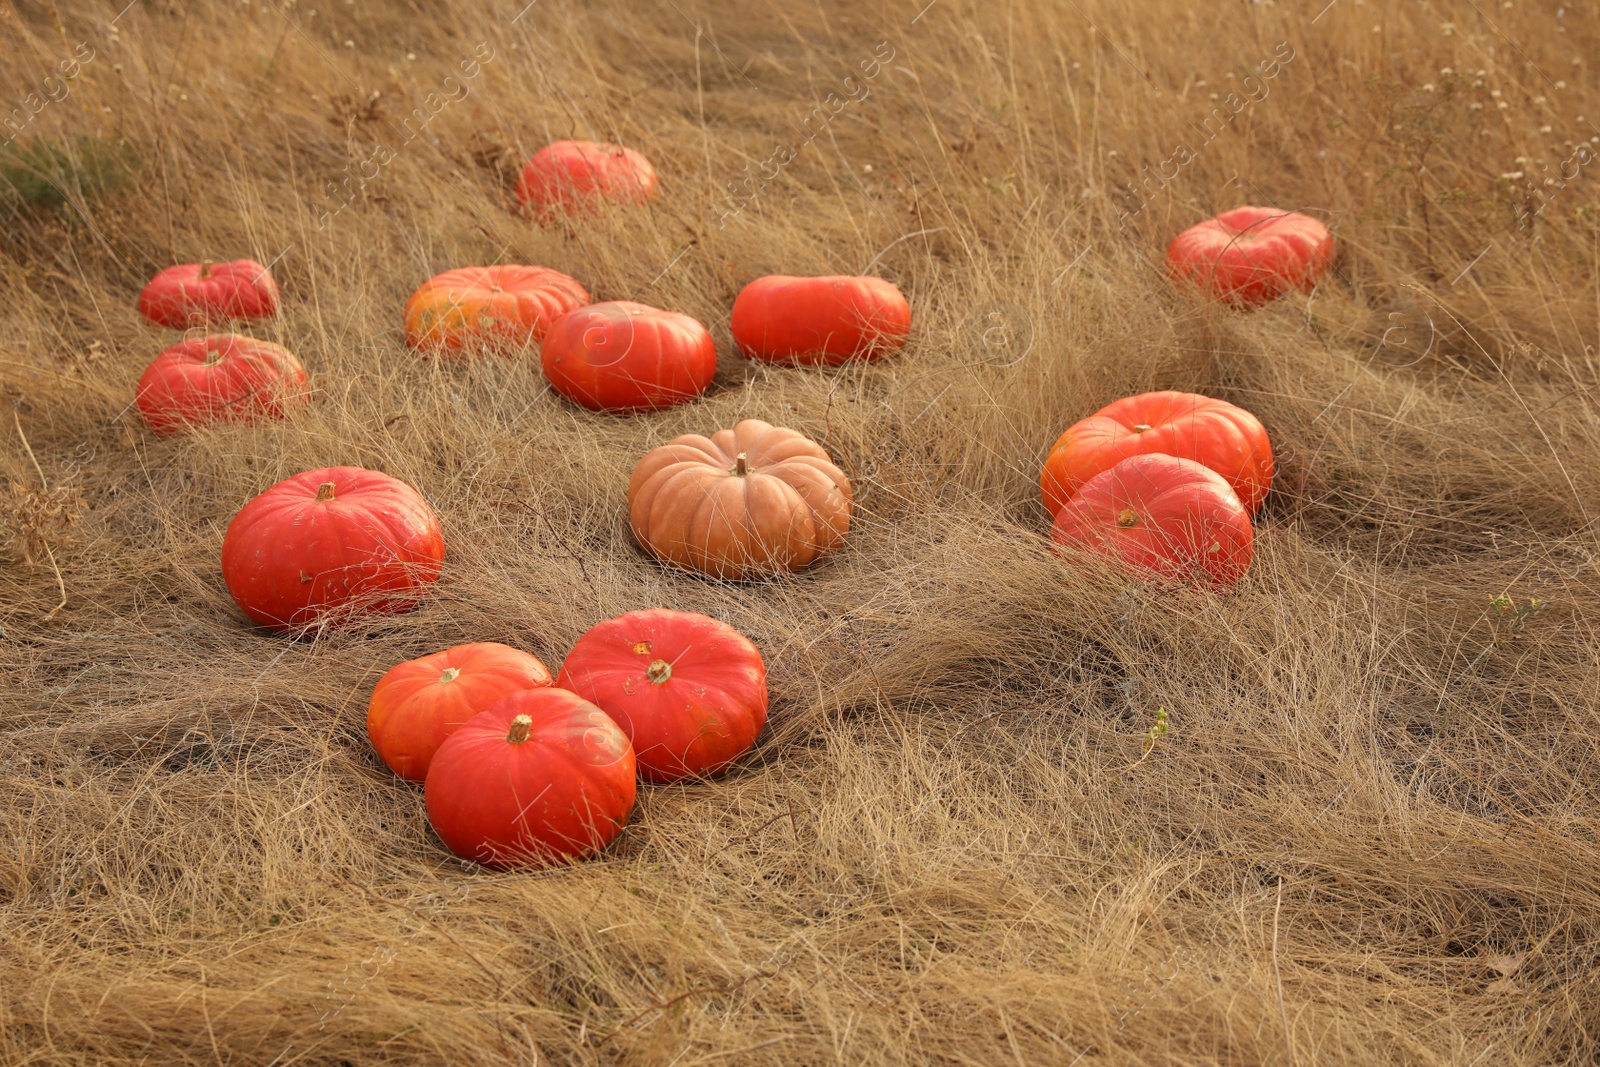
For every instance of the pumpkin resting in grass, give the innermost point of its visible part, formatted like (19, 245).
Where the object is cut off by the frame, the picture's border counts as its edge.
(576, 177)
(623, 357)
(1163, 516)
(420, 702)
(194, 294)
(1228, 439)
(542, 777)
(752, 501)
(497, 309)
(829, 320)
(1252, 255)
(221, 378)
(689, 691)
(329, 545)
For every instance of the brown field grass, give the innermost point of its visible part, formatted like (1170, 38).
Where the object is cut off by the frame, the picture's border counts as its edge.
(1370, 835)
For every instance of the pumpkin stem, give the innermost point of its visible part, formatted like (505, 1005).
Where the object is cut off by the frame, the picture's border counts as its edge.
(519, 729)
(1143, 427)
(325, 492)
(1128, 518)
(658, 671)
(739, 467)
(450, 674)
(205, 269)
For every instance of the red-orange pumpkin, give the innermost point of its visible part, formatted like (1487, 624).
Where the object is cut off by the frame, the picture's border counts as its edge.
(195, 294)
(221, 378)
(327, 546)
(1226, 438)
(497, 309)
(624, 357)
(688, 690)
(830, 320)
(419, 703)
(577, 177)
(542, 777)
(1165, 517)
(1252, 255)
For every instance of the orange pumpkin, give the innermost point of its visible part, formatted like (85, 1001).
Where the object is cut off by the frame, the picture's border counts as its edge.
(1252, 255)
(624, 357)
(193, 294)
(690, 691)
(330, 547)
(748, 502)
(580, 177)
(1162, 517)
(224, 377)
(829, 320)
(488, 308)
(541, 778)
(420, 702)
(1228, 439)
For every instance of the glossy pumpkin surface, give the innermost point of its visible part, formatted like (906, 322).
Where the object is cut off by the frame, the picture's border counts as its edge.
(1220, 435)
(497, 309)
(221, 378)
(328, 546)
(623, 357)
(542, 777)
(688, 690)
(823, 320)
(577, 177)
(748, 502)
(1162, 517)
(197, 294)
(1252, 255)
(419, 703)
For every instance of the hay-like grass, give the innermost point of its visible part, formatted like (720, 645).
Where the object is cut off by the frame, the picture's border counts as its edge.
(1369, 835)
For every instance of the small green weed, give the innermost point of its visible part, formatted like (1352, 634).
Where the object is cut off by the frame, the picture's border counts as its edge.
(48, 175)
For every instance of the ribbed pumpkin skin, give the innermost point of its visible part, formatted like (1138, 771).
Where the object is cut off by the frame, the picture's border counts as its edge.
(823, 320)
(625, 358)
(490, 309)
(688, 507)
(560, 795)
(579, 177)
(197, 294)
(419, 703)
(1162, 517)
(220, 378)
(293, 561)
(690, 691)
(1226, 438)
(1251, 256)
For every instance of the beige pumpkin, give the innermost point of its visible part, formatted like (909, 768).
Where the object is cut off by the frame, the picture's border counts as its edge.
(748, 502)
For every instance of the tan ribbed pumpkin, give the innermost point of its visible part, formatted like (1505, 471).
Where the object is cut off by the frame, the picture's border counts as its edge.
(748, 502)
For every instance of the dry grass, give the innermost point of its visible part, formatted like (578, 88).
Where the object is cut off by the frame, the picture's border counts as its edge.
(1370, 835)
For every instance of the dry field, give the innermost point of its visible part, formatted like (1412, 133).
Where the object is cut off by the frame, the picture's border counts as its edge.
(1370, 835)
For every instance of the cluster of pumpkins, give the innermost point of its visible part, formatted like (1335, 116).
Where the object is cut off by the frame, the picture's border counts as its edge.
(521, 768)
